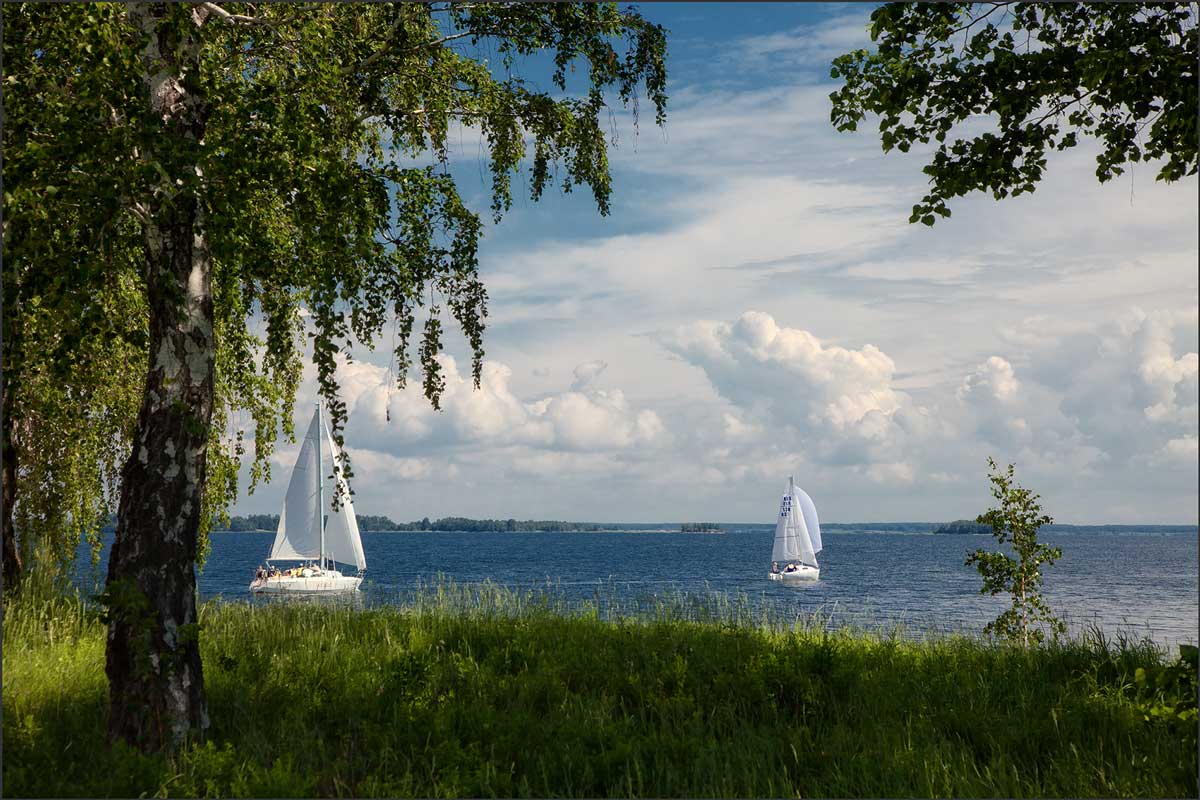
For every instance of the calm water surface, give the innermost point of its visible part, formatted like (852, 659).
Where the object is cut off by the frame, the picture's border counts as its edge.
(1144, 583)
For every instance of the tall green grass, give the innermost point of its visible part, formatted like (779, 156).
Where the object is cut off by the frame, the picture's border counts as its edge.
(486, 691)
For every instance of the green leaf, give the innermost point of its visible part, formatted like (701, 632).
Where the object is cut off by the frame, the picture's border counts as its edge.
(1089, 69)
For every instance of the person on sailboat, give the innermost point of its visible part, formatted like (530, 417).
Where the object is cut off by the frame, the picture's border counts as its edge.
(791, 567)
(775, 567)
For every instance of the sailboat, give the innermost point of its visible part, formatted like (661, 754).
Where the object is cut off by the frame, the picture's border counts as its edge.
(797, 538)
(305, 535)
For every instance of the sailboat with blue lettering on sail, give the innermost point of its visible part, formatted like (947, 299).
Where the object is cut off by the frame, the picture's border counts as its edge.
(797, 538)
(305, 534)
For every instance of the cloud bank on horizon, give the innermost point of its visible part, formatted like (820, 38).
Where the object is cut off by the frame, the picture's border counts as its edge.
(758, 306)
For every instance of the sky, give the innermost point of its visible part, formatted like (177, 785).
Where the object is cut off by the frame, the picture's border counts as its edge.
(757, 306)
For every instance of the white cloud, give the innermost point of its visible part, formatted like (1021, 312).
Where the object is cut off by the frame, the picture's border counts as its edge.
(882, 363)
(373, 462)
(839, 400)
(813, 45)
(993, 377)
(597, 420)
(898, 472)
(736, 429)
(587, 372)
(492, 415)
(1124, 383)
(1183, 450)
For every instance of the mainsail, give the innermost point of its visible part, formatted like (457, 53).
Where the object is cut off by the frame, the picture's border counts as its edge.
(810, 519)
(342, 540)
(793, 540)
(299, 533)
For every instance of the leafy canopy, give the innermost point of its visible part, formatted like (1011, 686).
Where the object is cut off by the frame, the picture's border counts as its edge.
(1043, 73)
(74, 311)
(318, 216)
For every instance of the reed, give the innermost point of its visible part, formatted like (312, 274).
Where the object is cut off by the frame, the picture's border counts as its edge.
(483, 690)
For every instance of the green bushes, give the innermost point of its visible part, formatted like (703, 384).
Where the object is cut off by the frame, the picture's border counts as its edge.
(483, 692)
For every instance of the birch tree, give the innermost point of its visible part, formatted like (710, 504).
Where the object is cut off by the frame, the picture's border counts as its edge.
(264, 153)
(1016, 521)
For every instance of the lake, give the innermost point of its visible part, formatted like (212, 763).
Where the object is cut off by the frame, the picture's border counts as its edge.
(1140, 582)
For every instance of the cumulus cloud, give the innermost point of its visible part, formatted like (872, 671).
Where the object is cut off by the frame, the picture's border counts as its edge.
(1099, 401)
(1181, 451)
(596, 420)
(884, 361)
(993, 379)
(587, 372)
(1125, 383)
(492, 415)
(900, 472)
(1169, 382)
(990, 393)
(791, 380)
(736, 429)
(373, 462)
(1100, 405)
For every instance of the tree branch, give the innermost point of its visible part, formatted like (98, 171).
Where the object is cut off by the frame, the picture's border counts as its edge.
(974, 20)
(237, 19)
(387, 45)
(138, 209)
(1058, 109)
(382, 51)
(290, 45)
(437, 42)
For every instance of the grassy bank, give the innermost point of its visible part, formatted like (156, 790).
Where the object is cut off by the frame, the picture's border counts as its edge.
(482, 692)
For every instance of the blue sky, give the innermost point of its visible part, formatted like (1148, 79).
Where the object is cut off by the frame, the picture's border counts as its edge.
(757, 306)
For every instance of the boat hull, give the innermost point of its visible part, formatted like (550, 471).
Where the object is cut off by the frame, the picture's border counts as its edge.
(802, 574)
(328, 583)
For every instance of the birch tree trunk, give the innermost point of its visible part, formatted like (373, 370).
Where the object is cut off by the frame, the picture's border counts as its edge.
(11, 554)
(156, 686)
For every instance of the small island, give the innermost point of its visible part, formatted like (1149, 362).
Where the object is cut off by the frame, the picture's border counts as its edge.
(700, 527)
(963, 526)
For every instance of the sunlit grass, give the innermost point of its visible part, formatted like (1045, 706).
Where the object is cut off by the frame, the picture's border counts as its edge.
(482, 690)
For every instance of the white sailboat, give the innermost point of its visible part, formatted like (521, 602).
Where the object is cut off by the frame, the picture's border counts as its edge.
(305, 535)
(797, 538)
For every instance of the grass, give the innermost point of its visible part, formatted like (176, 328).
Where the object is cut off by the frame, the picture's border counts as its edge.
(485, 691)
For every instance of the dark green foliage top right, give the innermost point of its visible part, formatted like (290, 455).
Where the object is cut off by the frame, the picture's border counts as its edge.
(1043, 73)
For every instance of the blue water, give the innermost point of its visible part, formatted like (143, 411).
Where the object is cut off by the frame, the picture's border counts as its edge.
(1140, 583)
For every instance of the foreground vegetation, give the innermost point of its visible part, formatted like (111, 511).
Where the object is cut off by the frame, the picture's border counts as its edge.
(483, 691)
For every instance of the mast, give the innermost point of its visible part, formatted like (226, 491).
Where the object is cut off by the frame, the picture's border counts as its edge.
(792, 512)
(791, 524)
(792, 508)
(320, 484)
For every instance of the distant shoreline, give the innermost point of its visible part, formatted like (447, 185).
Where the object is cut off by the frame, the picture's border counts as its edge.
(833, 527)
(589, 530)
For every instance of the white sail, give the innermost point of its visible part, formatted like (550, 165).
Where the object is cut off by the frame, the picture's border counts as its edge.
(298, 537)
(786, 548)
(792, 540)
(299, 534)
(810, 518)
(342, 540)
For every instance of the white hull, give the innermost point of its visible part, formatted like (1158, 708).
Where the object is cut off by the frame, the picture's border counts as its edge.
(329, 582)
(802, 573)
